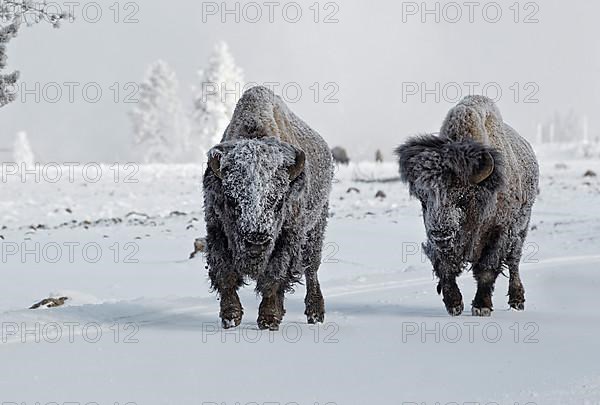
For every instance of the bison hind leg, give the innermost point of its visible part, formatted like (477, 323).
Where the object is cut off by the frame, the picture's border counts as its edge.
(314, 302)
(516, 297)
(516, 291)
(311, 255)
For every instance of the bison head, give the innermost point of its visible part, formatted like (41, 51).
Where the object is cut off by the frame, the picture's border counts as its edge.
(256, 180)
(456, 182)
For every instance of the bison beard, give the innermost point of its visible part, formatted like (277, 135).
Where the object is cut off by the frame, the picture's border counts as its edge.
(476, 201)
(266, 193)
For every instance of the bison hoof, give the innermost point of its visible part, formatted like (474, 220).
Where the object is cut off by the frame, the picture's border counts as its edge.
(452, 298)
(231, 323)
(455, 311)
(314, 318)
(231, 310)
(518, 306)
(268, 322)
(231, 318)
(315, 311)
(516, 297)
(484, 312)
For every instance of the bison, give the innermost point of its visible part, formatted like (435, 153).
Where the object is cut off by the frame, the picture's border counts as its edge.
(266, 194)
(340, 156)
(477, 182)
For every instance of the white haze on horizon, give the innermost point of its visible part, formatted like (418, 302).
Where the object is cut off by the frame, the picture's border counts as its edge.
(369, 54)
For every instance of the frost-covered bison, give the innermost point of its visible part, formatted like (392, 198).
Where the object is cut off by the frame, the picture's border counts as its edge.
(477, 182)
(266, 194)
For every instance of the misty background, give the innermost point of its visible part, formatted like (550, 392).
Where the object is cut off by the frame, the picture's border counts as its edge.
(369, 54)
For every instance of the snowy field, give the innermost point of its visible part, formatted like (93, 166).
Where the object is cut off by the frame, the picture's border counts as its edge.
(141, 326)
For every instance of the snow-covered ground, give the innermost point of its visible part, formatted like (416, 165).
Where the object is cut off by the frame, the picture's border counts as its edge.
(141, 326)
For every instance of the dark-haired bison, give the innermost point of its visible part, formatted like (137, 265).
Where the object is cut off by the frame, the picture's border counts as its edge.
(477, 182)
(266, 194)
(340, 156)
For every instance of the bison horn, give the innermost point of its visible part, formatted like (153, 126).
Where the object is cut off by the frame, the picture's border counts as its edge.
(215, 164)
(296, 169)
(486, 168)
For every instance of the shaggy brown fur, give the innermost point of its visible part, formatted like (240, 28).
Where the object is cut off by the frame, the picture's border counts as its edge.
(266, 195)
(477, 182)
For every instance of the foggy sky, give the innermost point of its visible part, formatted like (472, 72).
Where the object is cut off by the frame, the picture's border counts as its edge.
(368, 54)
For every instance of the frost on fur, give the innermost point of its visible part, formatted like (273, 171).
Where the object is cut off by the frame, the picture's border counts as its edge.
(266, 196)
(477, 182)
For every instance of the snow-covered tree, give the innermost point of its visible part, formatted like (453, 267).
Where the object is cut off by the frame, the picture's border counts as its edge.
(13, 14)
(562, 128)
(160, 125)
(221, 84)
(22, 152)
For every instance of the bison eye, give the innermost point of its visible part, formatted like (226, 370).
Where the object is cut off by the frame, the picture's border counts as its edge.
(463, 201)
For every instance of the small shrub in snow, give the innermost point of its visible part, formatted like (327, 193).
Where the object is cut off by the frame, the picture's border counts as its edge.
(22, 152)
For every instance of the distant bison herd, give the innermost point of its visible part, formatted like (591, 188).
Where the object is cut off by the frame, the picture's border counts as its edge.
(266, 192)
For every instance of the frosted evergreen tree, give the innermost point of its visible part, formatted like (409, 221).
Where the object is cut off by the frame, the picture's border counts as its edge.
(14, 14)
(563, 127)
(160, 127)
(22, 152)
(221, 84)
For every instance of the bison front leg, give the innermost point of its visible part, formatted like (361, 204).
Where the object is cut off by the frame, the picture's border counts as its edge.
(282, 271)
(448, 288)
(446, 269)
(231, 309)
(486, 271)
(486, 279)
(271, 310)
(451, 295)
(225, 280)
